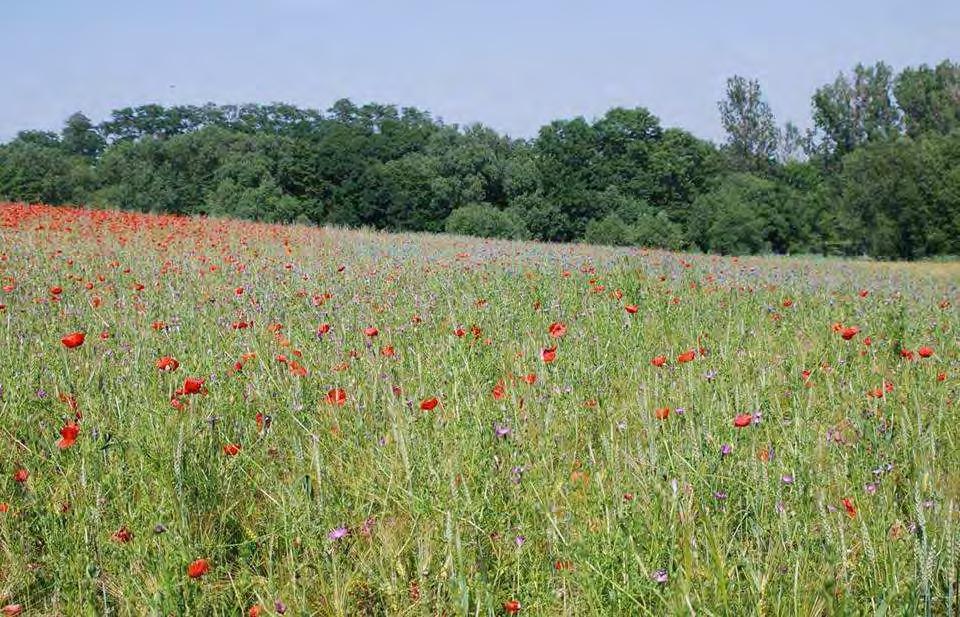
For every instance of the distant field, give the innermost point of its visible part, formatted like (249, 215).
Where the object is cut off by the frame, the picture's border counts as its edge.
(210, 417)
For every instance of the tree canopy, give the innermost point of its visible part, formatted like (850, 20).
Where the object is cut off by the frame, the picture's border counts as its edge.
(878, 175)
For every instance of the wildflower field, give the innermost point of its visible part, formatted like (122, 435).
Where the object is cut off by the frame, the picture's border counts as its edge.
(211, 417)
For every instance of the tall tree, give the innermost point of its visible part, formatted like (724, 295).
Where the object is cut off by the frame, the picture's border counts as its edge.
(80, 137)
(749, 123)
(929, 98)
(853, 111)
(790, 144)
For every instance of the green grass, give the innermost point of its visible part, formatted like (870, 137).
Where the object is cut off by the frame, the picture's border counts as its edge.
(602, 493)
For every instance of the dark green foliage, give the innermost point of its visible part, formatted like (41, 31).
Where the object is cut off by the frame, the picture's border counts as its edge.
(37, 173)
(544, 220)
(611, 229)
(880, 175)
(733, 218)
(929, 98)
(80, 137)
(486, 221)
(904, 197)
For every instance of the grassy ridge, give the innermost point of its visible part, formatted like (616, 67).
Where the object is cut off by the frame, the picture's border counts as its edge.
(563, 485)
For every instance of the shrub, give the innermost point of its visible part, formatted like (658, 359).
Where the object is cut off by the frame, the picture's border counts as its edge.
(486, 221)
(609, 230)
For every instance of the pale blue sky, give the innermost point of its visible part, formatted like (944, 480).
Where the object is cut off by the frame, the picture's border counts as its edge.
(513, 65)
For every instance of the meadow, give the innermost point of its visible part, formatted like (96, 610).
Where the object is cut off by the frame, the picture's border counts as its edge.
(213, 417)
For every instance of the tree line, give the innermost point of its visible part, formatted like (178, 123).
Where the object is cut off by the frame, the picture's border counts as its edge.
(878, 175)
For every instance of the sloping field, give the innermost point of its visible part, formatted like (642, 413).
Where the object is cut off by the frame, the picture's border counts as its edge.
(208, 417)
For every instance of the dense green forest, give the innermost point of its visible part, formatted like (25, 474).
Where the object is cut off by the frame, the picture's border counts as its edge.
(879, 174)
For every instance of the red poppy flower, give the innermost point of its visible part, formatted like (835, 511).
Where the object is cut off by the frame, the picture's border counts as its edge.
(631, 308)
(12, 610)
(941, 376)
(371, 331)
(849, 332)
(68, 435)
(530, 378)
(74, 339)
(122, 535)
(388, 351)
(21, 475)
(231, 449)
(255, 611)
(459, 331)
(849, 507)
(742, 420)
(297, 369)
(925, 352)
(511, 607)
(429, 404)
(557, 329)
(168, 364)
(659, 361)
(192, 385)
(56, 290)
(336, 397)
(549, 354)
(499, 391)
(198, 568)
(686, 356)
(662, 413)
(323, 328)
(906, 354)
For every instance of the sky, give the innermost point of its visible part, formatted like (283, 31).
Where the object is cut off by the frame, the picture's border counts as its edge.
(513, 65)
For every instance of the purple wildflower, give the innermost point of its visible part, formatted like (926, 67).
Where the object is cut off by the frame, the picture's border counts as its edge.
(337, 532)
